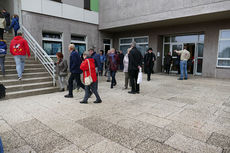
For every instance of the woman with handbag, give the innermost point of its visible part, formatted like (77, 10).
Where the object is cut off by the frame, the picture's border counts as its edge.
(61, 69)
(89, 78)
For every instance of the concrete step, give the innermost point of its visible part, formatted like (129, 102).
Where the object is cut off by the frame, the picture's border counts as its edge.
(26, 66)
(25, 75)
(31, 86)
(12, 62)
(25, 81)
(10, 57)
(30, 70)
(32, 92)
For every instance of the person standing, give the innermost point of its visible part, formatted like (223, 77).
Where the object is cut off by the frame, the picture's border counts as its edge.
(121, 57)
(3, 50)
(61, 69)
(168, 61)
(88, 68)
(113, 66)
(135, 63)
(7, 18)
(2, 25)
(107, 71)
(102, 60)
(126, 66)
(149, 62)
(15, 24)
(75, 62)
(184, 56)
(19, 48)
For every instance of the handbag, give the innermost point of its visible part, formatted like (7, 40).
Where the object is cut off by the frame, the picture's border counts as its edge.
(88, 80)
(139, 78)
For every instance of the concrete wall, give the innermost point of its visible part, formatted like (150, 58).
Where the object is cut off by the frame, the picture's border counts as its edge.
(118, 13)
(77, 3)
(37, 23)
(211, 31)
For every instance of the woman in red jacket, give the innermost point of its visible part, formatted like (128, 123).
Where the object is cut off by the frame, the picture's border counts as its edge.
(88, 68)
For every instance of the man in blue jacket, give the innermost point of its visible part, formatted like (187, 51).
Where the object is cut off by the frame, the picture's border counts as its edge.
(75, 62)
(97, 60)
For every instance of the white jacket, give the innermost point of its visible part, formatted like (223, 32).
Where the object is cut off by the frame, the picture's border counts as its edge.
(2, 23)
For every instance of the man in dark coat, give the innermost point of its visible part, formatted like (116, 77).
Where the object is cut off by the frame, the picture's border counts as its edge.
(168, 62)
(97, 60)
(149, 62)
(75, 62)
(7, 18)
(135, 63)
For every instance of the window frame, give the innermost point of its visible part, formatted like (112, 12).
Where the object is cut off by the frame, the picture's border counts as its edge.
(78, 41)
(218, 58)
(53, 40)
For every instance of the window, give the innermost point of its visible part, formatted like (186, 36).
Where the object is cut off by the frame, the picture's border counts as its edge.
(223, 59)
(79, 42)
(142, 44)
(60, 1)
(52, 43)
(87, 4)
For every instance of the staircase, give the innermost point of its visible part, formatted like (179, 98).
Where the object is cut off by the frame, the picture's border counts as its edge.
(35, 80)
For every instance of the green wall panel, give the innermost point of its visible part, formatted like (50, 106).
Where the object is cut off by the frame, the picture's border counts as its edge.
(94, 5)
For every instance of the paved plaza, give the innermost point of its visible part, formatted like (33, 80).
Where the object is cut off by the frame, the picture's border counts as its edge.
(168, 116)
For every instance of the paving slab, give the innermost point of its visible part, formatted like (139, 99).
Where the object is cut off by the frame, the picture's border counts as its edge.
(23, 149)
(219, 140)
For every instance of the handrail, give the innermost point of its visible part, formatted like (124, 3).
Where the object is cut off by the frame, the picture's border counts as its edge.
(40, 54)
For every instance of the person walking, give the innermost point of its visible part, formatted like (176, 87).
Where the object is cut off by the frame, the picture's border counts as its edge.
(168, 61)
(61, 69)
(19, 48)
(75, 62)
(184, 56)
(107, 71)
(135, 63)
(97, 61)
(149, 62)
(3, 50)
(102, 60)
(15, 24)
(7, 18)
(126, 66)
(88, 68)
(113, 66)
(2, 25)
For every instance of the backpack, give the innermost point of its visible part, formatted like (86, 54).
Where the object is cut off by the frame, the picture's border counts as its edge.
(2, 91)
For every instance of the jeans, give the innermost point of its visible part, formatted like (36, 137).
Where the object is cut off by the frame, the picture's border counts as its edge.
(20, 63)
(113, 75)
(77, 77)
(93, 88)
(101, 73)
(15, 32)
(2, 64)
(133, 80)
(183, 70)
(62, 81)
(1, 146)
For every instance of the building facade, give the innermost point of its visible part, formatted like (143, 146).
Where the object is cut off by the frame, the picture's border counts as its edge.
(164, 25)
(202, 25)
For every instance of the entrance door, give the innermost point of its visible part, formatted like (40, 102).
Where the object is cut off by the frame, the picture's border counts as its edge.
(107, 45)
(175, 57)
(199, 58)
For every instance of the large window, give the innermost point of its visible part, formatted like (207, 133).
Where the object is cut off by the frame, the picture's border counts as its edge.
(79, 42)
(52, 43)
(223, 59)
(142, 44)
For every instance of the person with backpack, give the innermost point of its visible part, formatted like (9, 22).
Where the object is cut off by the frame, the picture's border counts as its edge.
(15, 24)
(89, 78)
(19, 48)
(3, 50)
(113, 66)
(61, 69)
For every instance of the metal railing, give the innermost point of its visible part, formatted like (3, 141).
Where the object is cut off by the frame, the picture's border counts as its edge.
(40, 54)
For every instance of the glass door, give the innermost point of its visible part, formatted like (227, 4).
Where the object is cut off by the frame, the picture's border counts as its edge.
(176, 57)
(199, 58)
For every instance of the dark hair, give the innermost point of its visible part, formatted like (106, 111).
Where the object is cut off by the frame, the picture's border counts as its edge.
(19, 34)
(91, 49)
(15, 16)
(149, 49)
(102, 51)
(185, 46)
(60, 55)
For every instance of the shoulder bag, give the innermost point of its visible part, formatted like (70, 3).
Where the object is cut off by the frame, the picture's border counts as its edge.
(88, 80)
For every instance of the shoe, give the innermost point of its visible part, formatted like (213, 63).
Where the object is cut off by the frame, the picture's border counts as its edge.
(68, 96)
(137, 92)
(148, 79)
(83, 102)
(186, 78)
(19, 78)
(97, 101)
(124, 88)
(131, 92)
(61, 90)
(108, 80)
(111, 87)
(179, 79)
(114, 84)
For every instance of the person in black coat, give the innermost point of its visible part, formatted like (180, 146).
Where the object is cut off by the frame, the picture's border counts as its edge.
(168, 61)
(7, 18)
(135, 62)
(149, 62)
